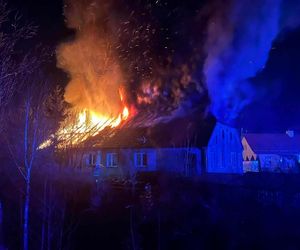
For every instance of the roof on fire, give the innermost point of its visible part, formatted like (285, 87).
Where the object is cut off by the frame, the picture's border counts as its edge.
(180, 132)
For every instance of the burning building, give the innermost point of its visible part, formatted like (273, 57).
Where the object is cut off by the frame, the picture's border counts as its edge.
(182, 146)
(122, 65)
(130, 58)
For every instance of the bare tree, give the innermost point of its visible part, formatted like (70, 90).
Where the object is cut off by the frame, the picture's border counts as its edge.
(30, 149)
(32, 127)
(14, 64)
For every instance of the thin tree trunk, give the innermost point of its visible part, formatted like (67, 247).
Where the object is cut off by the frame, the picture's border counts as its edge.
(27, 179)
(29, 156)
(26, 213)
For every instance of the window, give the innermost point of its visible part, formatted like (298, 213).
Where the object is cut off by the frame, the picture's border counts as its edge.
(91, 159)
(141, 159)
(111, 160)
(268, 161)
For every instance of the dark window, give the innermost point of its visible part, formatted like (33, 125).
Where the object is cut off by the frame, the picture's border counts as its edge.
(111, 160)
(223, 134)
(268, 161)
(141, 159)
(92, 159)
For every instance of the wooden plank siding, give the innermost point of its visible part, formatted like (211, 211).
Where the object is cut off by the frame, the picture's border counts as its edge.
(224, 151)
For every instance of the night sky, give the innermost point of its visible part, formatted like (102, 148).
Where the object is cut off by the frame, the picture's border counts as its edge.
(277, 105)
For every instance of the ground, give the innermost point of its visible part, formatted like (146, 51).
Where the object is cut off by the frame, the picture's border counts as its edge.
(161, 212)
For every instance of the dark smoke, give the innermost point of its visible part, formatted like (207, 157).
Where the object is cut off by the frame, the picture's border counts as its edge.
(143, 47)
(165, 54)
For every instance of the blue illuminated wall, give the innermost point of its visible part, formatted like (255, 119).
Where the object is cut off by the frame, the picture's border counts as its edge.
(224, 151)
(185, 161)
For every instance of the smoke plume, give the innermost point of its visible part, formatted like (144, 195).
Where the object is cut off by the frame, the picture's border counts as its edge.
(142, 47)
(240, 36)
(165, 55)
(90, 59)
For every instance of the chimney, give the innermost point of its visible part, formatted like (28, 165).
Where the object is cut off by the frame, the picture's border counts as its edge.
(290, 133)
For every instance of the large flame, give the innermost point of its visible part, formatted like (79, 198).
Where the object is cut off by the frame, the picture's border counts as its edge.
(85, 123)
(89, 122)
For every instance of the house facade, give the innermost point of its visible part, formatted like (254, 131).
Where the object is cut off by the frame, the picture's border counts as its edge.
(186, 150)
(271, 152)
(128, 161)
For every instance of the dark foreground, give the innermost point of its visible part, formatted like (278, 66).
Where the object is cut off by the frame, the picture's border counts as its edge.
(71, 211)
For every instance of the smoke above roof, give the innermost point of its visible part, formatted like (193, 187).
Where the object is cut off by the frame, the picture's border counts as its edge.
(166, 55)
(240, 37)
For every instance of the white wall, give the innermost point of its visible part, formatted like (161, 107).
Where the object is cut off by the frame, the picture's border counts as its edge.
(164, 159)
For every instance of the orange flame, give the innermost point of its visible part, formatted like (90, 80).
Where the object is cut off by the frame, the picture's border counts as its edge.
(88, 123)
